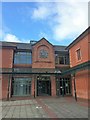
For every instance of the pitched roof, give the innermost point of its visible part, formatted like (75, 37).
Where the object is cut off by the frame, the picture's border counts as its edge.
(7, 44)
(80, 37)
(14, 44)
(24, 46)
(41, 40)
(59, 48)
(28, 46)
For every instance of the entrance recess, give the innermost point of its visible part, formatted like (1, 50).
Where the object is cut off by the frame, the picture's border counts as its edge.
(65, 87)
(21, 87)
(44, 86)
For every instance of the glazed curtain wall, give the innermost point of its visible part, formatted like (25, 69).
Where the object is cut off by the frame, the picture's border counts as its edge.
(22, 58)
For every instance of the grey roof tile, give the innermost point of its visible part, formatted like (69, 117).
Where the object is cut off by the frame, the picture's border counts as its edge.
(29, 46)
(18, 45)
(59, 48)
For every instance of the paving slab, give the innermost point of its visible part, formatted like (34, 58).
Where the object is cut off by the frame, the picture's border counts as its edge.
(44, 108)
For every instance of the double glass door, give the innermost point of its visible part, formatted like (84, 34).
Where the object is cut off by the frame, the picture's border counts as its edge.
(21, 86)
(64, 86)
(43, 87)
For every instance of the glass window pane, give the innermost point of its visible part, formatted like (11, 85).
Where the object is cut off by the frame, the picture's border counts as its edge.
(23, 58)
(78, 54)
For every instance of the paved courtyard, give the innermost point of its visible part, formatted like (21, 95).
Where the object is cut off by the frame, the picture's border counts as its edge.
(44, 108)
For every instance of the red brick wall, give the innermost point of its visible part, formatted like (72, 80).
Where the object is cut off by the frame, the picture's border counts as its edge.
(82, 78)
(53, 86)
(7, 58)
(83, 45)
(89, 47)
(88, 84)
(38, 62)
(7, 62)
(72, 86)
(4, 86)
(32, 87)
(48, 62)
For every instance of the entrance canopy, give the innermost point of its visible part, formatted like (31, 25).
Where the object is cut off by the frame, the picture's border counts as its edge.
(47, 71)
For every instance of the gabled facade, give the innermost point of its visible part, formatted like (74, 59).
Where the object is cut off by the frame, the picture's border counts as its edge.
(39, 68)
(39, 57)
(79, 52)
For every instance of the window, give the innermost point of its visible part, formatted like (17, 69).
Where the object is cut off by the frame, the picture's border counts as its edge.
(21, 86)
(23, 58)
(43, 53)
(61, 59)
(56, 58)
(78, 54)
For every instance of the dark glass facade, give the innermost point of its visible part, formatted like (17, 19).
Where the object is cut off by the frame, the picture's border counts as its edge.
(63, 86)
(22, 58)
(21, 86)
(61, 59)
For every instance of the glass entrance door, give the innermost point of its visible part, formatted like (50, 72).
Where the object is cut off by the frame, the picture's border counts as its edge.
(21, 86)
(65, 86)
(43, 86)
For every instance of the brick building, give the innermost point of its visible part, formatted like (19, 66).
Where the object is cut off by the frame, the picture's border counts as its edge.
(79, 53)
(39, 68)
